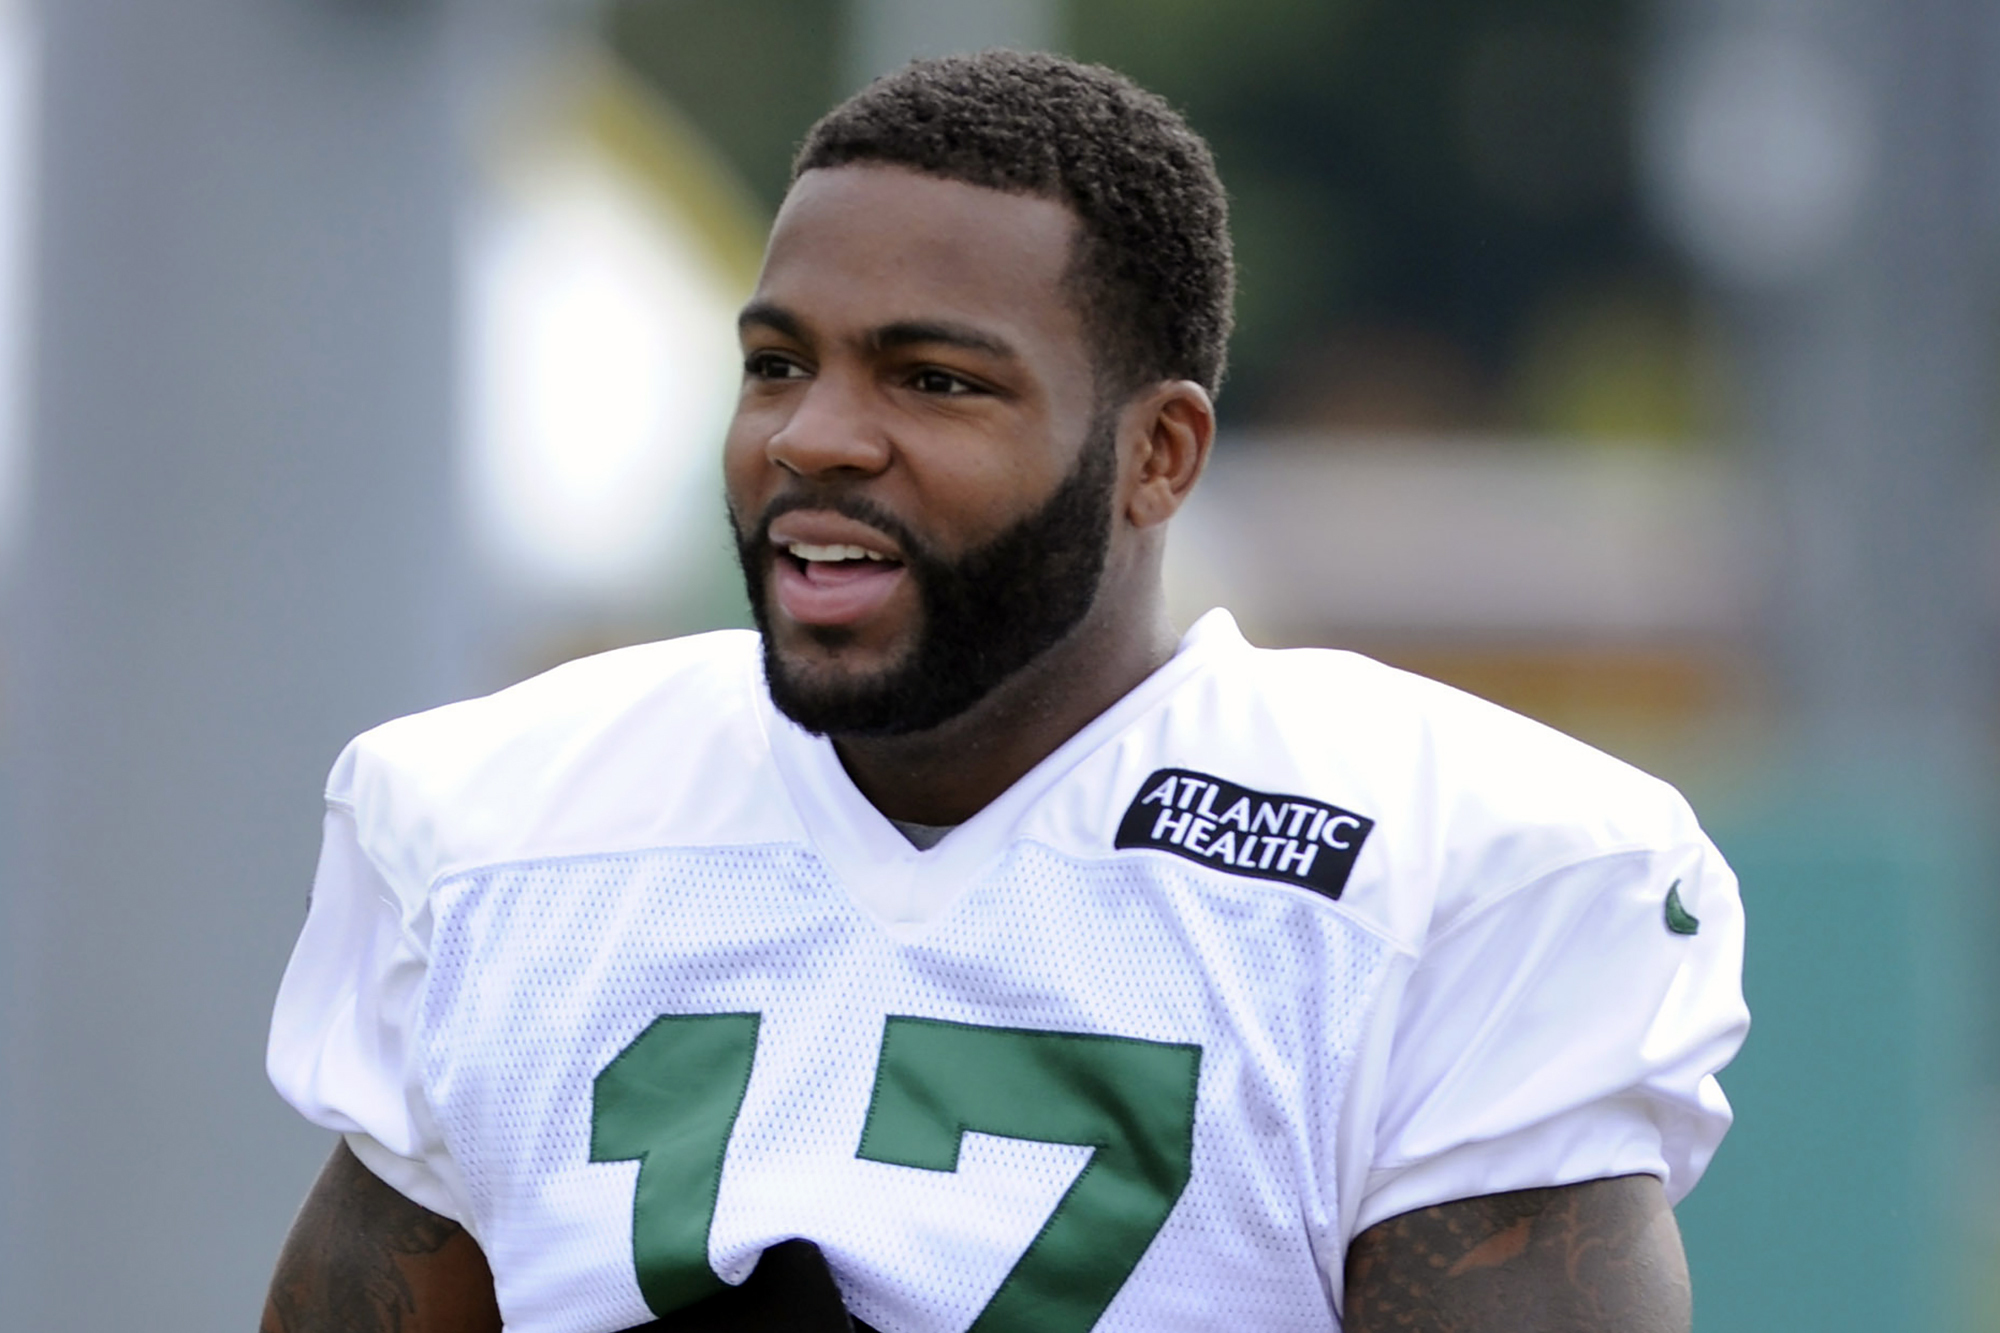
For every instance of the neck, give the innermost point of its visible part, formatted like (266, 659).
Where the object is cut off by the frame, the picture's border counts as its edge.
(948, 774)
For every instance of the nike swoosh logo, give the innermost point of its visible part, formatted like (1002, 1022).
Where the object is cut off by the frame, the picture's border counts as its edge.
(1679, 919)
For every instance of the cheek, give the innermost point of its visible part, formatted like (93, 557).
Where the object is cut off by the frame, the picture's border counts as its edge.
(744, 465)
(988, 491)
(991, 465)
(961, 507)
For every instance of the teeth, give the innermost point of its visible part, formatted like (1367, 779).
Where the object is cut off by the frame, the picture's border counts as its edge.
(807, 551)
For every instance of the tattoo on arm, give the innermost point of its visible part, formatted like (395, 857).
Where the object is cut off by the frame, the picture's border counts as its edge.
(1600, 1257)
(361, 1258)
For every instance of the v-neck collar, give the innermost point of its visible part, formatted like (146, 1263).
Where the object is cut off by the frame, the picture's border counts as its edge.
(905, 888)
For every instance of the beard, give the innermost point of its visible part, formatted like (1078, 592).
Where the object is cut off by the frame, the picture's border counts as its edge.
(984, 615)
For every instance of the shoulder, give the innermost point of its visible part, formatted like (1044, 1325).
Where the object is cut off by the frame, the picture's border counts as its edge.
(601, 753)
(1469, 801)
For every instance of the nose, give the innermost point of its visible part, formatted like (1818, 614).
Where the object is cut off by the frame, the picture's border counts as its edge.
(830, 430)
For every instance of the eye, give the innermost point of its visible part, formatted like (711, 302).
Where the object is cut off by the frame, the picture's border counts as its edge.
(772, 366)
(943, 383)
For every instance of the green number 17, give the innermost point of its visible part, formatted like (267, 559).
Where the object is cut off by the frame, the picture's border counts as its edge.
(671, 1098)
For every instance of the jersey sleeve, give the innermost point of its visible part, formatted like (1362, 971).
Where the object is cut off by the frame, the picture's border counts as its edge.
(342, 1048)
(1568, 1030)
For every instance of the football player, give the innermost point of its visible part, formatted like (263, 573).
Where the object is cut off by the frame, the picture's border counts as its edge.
(966, 948)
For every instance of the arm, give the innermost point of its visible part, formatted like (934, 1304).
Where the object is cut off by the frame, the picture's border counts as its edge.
(1600, 1257)
(363, 1259)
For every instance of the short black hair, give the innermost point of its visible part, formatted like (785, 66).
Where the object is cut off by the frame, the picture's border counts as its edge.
(1153, 271)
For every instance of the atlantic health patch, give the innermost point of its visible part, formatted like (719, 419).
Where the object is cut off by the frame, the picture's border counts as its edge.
(1213, 822)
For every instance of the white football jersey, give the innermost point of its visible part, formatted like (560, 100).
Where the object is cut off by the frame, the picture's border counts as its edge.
(618, 969)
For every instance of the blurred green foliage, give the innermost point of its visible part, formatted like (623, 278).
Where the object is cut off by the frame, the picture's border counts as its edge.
(1441, 167)
(1434, 204)
(752, 74)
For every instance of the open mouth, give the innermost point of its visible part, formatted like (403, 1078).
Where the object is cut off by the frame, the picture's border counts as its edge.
(834, 583)
(833, 561)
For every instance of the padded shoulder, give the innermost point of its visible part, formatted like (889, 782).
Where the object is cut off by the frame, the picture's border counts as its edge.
(656, 745)
(1472, 800)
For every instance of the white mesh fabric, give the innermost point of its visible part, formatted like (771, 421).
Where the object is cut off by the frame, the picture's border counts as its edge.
(543, 972)
(484, 940)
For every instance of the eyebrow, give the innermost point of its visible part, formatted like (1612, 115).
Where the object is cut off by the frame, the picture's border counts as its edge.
(902, 333)
(774, 317)
(924, 332)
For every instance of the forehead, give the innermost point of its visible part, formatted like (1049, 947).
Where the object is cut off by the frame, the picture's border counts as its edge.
(859, 246)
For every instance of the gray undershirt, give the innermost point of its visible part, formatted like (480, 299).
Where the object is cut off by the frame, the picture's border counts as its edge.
(922, 836)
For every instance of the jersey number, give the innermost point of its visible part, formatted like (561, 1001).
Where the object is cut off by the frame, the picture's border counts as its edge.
(671, 1098)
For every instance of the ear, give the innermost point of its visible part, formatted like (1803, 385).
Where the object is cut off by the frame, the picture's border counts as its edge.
(1171, 428)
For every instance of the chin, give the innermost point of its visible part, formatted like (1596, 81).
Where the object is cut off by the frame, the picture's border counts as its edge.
(833, 693)
(833, 657)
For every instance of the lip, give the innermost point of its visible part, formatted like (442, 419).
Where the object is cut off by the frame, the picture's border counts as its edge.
(832, 593)
(823, 527)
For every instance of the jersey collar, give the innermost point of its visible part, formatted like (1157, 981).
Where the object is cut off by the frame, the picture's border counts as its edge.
(903, 888)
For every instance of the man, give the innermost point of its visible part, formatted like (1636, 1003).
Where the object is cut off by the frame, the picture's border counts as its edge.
(1037, 967)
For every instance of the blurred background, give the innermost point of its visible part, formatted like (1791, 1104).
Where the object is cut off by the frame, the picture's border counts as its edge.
(1629, 362)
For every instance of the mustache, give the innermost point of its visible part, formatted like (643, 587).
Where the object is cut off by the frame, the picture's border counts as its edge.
(847, 504)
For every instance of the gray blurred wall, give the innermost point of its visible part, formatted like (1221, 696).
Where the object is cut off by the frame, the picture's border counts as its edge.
(240, 549)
